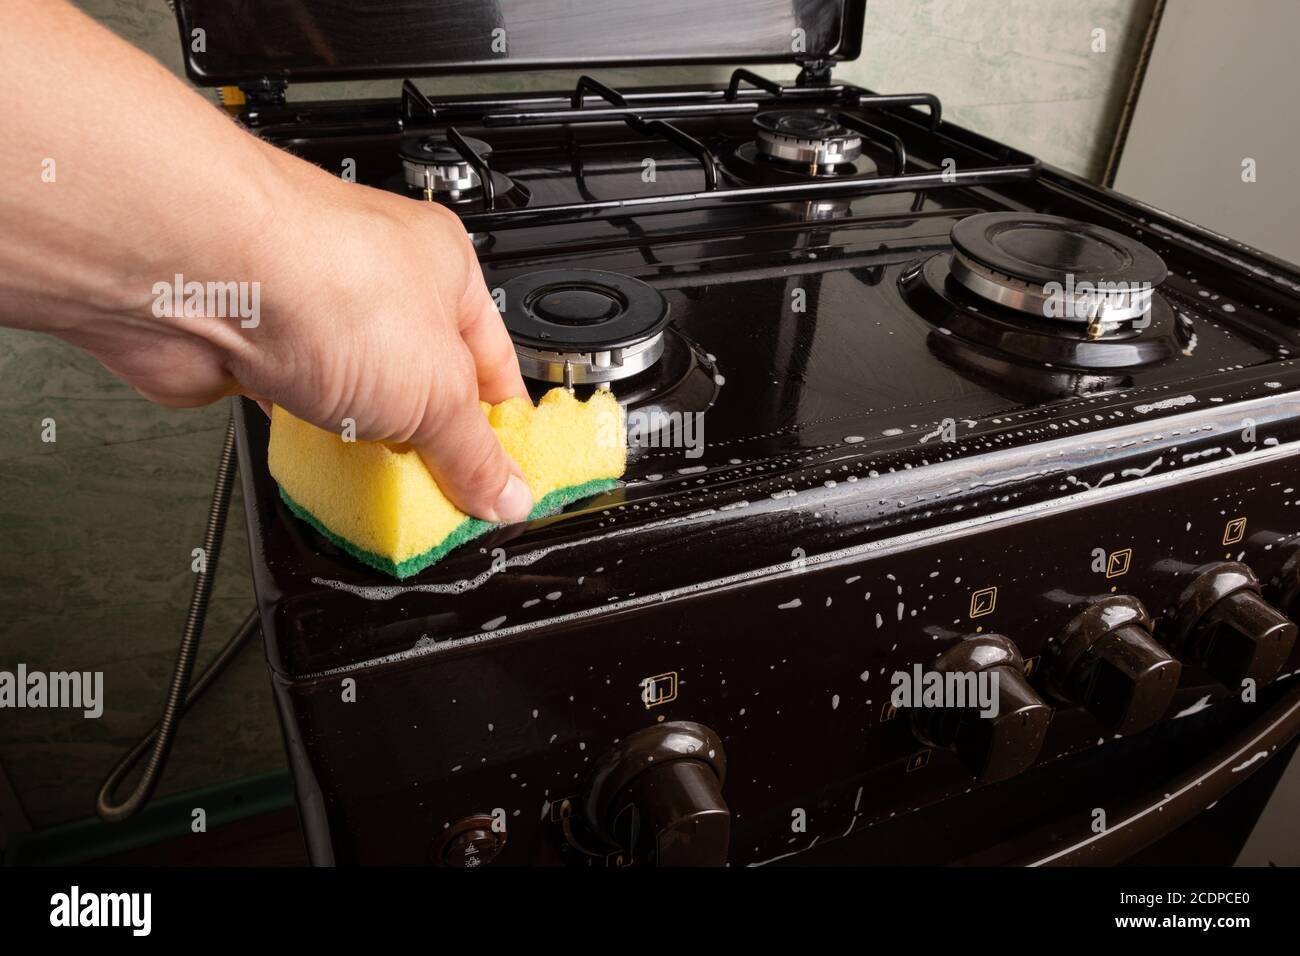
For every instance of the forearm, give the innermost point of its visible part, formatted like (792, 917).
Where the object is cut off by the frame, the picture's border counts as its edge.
(117, 176)
(371, 306)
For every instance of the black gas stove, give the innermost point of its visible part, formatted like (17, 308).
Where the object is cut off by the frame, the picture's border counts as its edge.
(901, 399)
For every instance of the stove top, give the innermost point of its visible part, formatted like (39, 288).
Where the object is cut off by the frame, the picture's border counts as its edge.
(854, 354)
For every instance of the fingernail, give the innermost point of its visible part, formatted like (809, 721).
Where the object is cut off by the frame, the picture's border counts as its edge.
(515, 501)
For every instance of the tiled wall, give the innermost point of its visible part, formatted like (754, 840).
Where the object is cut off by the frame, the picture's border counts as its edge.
(1022, 71)
(96, 528)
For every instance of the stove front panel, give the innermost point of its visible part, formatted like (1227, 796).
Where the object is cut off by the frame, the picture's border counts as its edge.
(791, 670)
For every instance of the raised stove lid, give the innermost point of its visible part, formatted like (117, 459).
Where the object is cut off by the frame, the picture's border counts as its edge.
(307, 40)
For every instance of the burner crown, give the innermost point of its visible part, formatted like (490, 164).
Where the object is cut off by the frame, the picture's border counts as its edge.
(434, 163)
(808, 137)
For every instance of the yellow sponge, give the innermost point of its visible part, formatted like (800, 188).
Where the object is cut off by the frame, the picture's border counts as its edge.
(379, 502)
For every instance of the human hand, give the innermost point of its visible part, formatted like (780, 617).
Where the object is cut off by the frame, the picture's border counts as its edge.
(373, 310)
(371, 305)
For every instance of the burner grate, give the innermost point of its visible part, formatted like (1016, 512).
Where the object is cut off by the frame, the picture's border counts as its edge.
(651, 119)
(446, 174)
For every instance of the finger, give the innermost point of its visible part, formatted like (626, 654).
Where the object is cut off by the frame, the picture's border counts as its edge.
(472, 468)
(485, 335)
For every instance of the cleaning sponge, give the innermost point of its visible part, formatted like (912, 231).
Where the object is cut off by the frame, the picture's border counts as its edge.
(379, 503)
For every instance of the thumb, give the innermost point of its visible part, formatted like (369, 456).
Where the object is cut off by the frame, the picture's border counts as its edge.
(472, 468)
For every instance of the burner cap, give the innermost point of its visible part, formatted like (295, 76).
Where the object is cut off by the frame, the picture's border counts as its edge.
(574, 326)
(806, 137)
(1053, 267)
(434, 162)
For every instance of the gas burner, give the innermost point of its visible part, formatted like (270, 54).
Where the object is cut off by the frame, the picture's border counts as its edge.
(584, 326)
(932, 288)
(433, 163)
(684, 380)
(808, 139)
(1007, 326)
(1056, 268)
(432, 168)
(795, 146)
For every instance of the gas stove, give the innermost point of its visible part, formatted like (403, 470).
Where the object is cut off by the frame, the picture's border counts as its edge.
(901, 400)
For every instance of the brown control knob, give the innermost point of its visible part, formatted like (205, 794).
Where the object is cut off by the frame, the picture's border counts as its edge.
(1107, 661)
(472, 841)
(658, 796)
(999, 744)
(1225, 625)
(1284, 593)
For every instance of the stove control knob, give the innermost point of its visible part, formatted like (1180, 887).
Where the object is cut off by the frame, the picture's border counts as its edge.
(1107, 661)
(1000, 732)
(470, 842)
(1285, 589)
(1224, 624)
(657, 797)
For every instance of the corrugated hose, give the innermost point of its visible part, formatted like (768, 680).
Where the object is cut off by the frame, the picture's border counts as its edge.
(180, 695)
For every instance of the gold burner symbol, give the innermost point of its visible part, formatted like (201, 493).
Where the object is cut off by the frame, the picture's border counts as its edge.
(1234, 531)
(1117, 562)
(659, 689)
(983, 601)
